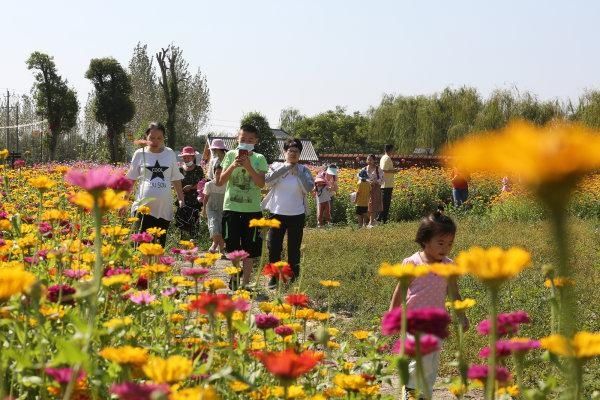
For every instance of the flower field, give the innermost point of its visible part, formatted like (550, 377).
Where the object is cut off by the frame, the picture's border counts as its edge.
(90, 308)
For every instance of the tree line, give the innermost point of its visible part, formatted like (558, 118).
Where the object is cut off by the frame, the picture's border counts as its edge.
(431, 121)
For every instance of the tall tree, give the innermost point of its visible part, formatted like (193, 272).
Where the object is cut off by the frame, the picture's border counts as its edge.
(194, 106)
(267, 143)
(54, 99)
(145, 91)
(170, 80)
(112, 103)
(288, 119)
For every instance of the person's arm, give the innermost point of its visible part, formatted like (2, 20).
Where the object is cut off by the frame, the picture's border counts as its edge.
(179, 191)
(225, 169)
(276, 172)
(306, 179)
(396, 298)
(258, 177)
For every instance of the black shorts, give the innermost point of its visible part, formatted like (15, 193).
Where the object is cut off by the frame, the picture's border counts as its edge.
(238, 235)
(361, 210)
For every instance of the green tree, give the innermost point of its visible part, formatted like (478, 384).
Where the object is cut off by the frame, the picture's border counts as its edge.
(267, 143)
(55, 101)
(288, 119)
(112, 103)
(588, 109)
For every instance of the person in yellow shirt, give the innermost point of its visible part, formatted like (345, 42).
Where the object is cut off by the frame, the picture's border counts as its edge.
(363, 195)
(387, 165)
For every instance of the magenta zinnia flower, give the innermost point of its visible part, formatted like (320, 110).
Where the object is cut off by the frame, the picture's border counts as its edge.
(237, 255)
(54, 292)
(508, 323)
(97, 179)
(266, 321)
(138, 391)
(142, 297)
(428, 344)
(63, 375)
(480, 373)
(423, 320)
(284, 330)
(143, 237)
(391, 322)
(195, 272)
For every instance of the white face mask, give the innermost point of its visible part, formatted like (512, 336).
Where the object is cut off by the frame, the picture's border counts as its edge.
(189, 164)
(246, 146)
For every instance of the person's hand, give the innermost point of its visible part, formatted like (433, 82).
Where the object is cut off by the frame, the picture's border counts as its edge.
(181, 203)
(239, 161)
(245, 162)
(294, 169)
(187, 188)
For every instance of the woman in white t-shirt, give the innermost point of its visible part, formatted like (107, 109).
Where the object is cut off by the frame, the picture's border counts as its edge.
(156, 168)
(290, 182)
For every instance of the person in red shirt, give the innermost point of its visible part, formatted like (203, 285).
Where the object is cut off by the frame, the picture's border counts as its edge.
(460, 187)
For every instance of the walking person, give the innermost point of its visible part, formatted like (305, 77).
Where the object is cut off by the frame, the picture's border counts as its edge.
(155, 166)
(289, 182)
(214, 197)
(387, 166)
(375, 179)
(361, 198)
(243, 172)
(187, 218)
(460, 187)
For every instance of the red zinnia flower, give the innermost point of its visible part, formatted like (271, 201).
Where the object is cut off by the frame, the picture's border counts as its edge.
(297, 299)
(289, 365)
(210, 303)
(279, 270)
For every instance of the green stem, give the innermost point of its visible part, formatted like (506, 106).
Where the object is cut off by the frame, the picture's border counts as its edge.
(518, 360)
(491, 378)
(578, 379)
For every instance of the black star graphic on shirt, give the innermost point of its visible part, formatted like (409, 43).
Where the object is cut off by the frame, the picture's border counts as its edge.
(157, 171)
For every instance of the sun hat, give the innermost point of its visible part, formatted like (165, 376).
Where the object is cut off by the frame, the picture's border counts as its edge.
(332, 170)
(217, 144)
(187, 151)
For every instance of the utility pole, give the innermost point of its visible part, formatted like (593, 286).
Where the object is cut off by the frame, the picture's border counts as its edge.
(7, 115)
(17, 128)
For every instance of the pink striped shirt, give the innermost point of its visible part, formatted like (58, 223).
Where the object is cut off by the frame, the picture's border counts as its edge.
(428, 290)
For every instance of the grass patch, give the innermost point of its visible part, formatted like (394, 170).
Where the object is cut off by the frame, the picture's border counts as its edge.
(353, 256)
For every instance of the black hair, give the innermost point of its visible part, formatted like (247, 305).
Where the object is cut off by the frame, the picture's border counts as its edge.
(372, 156)
(155, 126)
(249, 128)
(388, 147)
(292, 142)
(437, 223)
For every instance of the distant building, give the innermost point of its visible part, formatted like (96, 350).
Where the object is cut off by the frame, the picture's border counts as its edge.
(308, 155)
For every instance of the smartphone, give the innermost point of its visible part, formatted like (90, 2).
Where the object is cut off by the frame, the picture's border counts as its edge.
(243, 153)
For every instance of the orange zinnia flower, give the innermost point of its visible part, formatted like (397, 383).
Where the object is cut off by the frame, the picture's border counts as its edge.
(289, 365)
(279, 270)
(297, 299)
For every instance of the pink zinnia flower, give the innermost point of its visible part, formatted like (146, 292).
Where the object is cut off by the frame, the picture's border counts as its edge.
(284, 330)
(19, 163)
(237, 255)
(241, 305)
(143, 237)
(391, 323)
(97, 179)
(117, 271)
(266, 321)
(428, 344)
(508, 323)
(63, 375)
(195, 272)
(138, 391)
(502, 349)
(142, 297)
(480, 373)
(75, 273)
(45, 228)
(169, 291)
(166, 260)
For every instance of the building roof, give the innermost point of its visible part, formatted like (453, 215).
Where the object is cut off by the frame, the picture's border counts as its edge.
(308, 151)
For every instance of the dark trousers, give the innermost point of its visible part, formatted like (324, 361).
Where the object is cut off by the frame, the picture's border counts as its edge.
(148, 221)
(460, 196)
(386, 197)
(294, 226)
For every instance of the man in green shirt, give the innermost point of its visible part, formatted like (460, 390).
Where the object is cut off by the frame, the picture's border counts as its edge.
(243, 171)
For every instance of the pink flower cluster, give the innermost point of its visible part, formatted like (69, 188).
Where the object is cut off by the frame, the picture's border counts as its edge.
(143, 237)
(507, 323)
(433, 321)
(427, 344)
(63, 375)
(480, 373)
(139, 391)
(97, 179)
(505, 348)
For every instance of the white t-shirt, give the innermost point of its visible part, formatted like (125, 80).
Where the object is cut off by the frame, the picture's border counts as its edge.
(211, 187)
(287, 197)
(156, 172)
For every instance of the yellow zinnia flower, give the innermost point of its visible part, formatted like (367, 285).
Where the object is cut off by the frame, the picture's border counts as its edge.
(151, 249)
(108, 199)
(447, 270)
(144, 210)
(115, 323)
(460, 305)
(125, 355)
(41, 183)
(14, 281)
(401, 271)
(232, 270)
(294, 392)
(553, 153)
(214, 284)
(4, 154)
(493, 264)
(559, 281)
(120, 279)
(172, 369)
(265, 223)
(361, 335)
(330, 284)
(156, 232)
(583, 345)
(352, 382)
(197, 393)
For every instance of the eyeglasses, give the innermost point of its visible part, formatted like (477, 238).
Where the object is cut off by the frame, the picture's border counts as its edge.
(293, 150)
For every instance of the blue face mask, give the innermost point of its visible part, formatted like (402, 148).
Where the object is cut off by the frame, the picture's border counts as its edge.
(245, 146)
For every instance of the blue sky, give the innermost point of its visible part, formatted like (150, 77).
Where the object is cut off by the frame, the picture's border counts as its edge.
(314, 55)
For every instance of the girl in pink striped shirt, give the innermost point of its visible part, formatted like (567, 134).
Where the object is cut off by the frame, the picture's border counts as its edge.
(436, 237)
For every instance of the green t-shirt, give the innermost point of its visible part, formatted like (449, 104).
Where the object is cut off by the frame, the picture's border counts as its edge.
(241, 193)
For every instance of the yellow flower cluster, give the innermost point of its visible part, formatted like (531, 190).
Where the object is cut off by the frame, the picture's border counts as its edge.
(42, 183)
(169, 370)
(493, 264)
(14, 281)
(196, 393)
(329, 284)
(583, 345)
(151, 249)
(120, 279)
(265, 223)
(125, 355)
(115, 323)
